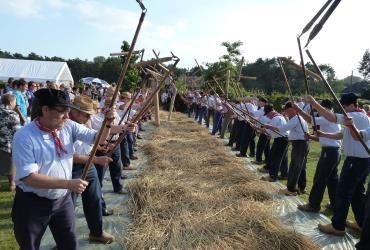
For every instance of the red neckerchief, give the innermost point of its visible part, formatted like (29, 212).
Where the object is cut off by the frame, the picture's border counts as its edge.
(272, 114)
(58, 143)
(359, 110)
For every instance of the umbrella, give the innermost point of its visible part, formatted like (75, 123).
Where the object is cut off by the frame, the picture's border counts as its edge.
(95, 81)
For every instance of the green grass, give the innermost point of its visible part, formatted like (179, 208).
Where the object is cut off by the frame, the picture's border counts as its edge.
(7, 240)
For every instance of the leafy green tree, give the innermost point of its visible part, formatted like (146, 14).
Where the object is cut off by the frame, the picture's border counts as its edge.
(110, 69)
(364, 67)
(132, 77)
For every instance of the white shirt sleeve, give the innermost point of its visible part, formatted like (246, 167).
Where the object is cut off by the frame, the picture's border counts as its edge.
(23, 156)
(366, 134)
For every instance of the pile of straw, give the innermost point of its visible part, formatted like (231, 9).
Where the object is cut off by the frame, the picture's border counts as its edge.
(196, 195)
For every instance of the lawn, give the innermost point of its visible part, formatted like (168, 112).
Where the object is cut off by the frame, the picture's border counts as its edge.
(7, 240)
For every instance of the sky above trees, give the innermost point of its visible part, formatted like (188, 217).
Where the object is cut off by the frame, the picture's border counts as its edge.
(191, 29)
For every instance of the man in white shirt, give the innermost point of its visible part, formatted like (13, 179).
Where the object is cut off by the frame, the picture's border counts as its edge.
(297, 128)
(211, 107)
(326, 174)
(263, 144)
(43, 156)
(91, 197)
(350, 190)
(364, 242)
(246, 131)
(279, 149)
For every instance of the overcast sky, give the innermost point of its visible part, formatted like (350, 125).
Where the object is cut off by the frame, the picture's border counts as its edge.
(189, 28)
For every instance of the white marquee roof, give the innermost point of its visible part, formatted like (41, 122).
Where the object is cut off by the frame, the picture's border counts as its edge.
(38, 71)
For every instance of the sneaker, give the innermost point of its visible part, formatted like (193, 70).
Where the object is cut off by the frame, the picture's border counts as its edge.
(308, 208)
(287, 192)
(263, 170)
(235, 149)
(329, 229)
(105, 238)
(240, 155)
(267, 178)
(353, 225)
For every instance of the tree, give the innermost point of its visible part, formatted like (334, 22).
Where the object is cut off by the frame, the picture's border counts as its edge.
(233, 51)
(110, 69)
(364, 67)
(132, 77)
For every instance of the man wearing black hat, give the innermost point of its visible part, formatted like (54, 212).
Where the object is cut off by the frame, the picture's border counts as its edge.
(350, 190)
(43, 156)
(326, 174)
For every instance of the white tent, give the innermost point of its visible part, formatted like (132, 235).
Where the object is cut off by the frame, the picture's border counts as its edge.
(38, 71)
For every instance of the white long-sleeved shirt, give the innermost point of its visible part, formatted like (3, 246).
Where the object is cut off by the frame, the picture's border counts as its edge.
(330, 127)
(278, 122)
(351, 147)
(295, 129)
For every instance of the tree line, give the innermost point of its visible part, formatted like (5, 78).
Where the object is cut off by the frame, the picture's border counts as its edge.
(268, 74)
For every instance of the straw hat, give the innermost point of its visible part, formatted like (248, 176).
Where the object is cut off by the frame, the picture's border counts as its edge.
(110, 92)
(126, 95)
(84, 104)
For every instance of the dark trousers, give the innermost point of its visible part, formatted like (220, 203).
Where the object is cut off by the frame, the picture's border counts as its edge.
(252, 145)
(225, 124)
(208, 116)
(263, 146)
(351, 191)
(190, 110)
(235, 131)
(202, 114)
(297, 166)
(130, 143)
(217, 120)
(114, 169)
(246, 135)
(32, 214)
(326, 175)
(91, 199)
(196, 111)
(125, 153)
(279, 158)
(364, 243)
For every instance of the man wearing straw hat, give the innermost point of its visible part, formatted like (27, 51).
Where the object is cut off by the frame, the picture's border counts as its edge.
(43, 156)
(83, 109)
(116, 164)
(350, 190)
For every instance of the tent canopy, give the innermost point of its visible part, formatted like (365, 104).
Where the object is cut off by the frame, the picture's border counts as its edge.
(38, 71)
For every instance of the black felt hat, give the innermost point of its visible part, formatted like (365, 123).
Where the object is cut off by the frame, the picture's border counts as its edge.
(348, 99)
(53, 97)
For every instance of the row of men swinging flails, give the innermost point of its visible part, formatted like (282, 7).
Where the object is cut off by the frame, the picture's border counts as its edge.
(248, 117)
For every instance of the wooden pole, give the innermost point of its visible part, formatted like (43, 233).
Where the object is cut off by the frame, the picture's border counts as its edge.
(115, 94)
(157, 121)
(289, 91)
(227, 84)
(327, 85)
(173, 98)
